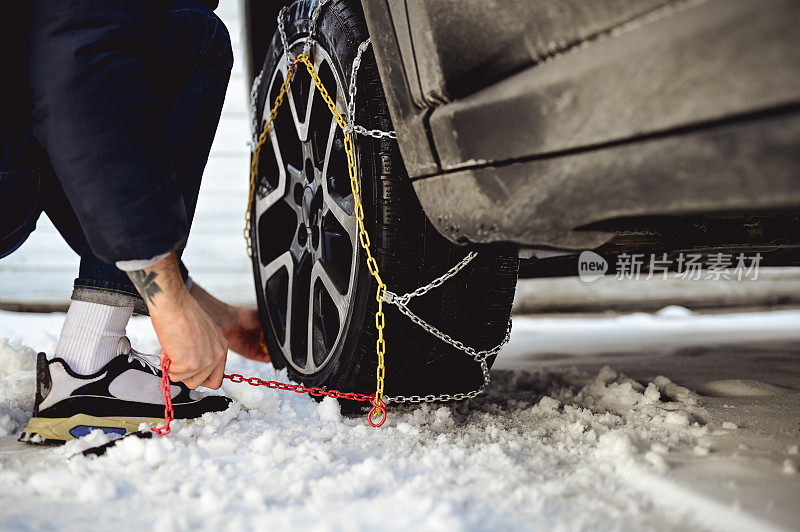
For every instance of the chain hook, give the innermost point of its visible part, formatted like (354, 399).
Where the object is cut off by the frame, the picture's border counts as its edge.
(377, 416)
(293, 65)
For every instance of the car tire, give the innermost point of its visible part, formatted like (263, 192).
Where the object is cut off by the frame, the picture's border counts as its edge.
(473, 307)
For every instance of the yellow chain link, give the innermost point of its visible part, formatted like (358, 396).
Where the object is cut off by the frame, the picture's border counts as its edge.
(363, 237)
(256, 152)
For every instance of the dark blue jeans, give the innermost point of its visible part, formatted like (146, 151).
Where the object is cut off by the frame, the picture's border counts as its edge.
(195, 68)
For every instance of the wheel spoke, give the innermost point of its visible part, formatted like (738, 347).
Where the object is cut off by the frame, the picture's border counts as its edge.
(302, 124)
(329, 148)
(283, 261)
(283, 68)
(295, 175)
(310, 364)
(340, 301)
(345, 219)
(275, 195)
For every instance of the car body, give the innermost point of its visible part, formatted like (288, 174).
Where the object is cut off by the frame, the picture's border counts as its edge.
(613, 125)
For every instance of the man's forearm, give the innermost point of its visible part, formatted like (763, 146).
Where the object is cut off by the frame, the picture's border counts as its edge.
(218, 310)
(196, 347)
(240, 325)
(160, 284)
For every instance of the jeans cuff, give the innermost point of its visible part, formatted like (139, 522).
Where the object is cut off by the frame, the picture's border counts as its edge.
(108, 295)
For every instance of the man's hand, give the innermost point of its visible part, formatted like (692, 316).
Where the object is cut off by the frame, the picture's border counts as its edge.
(194, 343)
(240, 326)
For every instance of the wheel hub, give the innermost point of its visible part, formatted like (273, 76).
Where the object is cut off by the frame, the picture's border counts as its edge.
(308, 198)
(309, 215)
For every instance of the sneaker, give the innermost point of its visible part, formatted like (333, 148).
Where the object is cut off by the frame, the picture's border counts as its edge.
(116, 399)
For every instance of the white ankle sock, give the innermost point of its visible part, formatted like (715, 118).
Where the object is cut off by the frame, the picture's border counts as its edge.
(91, 334)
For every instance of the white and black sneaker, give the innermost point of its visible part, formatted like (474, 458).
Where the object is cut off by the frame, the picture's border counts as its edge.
(116, 399)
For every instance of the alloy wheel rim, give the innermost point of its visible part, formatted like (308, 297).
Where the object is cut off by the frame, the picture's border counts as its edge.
(306, 239)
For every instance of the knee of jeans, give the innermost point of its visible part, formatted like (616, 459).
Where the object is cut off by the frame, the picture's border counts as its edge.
(221, 42)
(218, 49)
(210, 40)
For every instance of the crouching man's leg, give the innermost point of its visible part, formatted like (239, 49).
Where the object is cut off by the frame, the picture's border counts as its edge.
(96, 380)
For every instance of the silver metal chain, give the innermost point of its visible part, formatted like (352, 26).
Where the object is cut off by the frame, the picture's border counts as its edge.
(282, 33)
(400, 301)
(312, 27)
(478, 356)
(253, 113)
(461, 396)
(257, 81)
(374, 133)
(351, 108)
(391, 297)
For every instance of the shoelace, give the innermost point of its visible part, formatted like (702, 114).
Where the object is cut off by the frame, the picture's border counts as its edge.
(141, 359)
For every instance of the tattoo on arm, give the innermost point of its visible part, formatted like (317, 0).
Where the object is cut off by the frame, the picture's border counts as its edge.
(146, 284)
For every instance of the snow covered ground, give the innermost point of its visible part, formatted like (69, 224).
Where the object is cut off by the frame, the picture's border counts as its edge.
(560, 441)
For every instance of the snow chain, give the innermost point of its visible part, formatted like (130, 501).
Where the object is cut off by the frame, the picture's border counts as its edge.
(377, 415)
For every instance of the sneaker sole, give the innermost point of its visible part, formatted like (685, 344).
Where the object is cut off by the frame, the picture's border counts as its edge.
(57, 431)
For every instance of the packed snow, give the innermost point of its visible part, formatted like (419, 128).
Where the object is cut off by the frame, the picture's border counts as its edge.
(554, 449)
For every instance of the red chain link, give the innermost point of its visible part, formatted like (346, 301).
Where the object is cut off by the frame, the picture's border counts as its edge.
(299, 388)
(169, 413)
(293, 64)
(378, 409)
